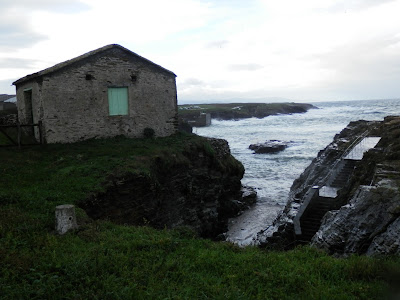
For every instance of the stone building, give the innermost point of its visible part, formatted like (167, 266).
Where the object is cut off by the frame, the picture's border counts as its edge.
(104, 93)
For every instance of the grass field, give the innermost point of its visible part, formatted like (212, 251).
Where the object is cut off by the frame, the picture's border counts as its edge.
(102, 260)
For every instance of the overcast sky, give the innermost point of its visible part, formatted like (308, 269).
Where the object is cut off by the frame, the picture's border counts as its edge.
(306, 50)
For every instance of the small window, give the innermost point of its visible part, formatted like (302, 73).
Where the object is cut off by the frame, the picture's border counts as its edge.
(118, 101)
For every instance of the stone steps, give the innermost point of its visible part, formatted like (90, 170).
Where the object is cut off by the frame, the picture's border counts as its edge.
(343, 176)
(310, 222)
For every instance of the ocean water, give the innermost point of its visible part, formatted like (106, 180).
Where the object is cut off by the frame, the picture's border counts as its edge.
(273, 174)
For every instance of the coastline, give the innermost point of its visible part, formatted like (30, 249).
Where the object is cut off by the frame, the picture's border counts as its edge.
(237, 111)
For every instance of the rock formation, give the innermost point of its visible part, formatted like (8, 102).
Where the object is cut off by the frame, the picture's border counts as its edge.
(363, 215)
(272, 146)
(200, 190)
(368, 223)
(236, 111)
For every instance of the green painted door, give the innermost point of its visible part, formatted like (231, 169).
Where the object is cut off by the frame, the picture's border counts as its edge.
(118, 101)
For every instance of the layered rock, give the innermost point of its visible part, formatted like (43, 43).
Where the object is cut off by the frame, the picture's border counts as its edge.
(282, 233)
(368, 223)
(201, 190)
(365, 215)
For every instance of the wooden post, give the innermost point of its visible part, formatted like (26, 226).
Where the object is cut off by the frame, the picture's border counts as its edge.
(65, 218)
(40, 132)
(19, 135)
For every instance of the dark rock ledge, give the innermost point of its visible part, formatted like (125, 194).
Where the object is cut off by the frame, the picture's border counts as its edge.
(364, 218)
(200, 190)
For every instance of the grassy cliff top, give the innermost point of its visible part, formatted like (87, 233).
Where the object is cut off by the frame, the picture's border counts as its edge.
(66, 173)
(103, 260)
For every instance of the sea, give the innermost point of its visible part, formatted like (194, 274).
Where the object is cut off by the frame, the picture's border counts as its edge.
(273, 174)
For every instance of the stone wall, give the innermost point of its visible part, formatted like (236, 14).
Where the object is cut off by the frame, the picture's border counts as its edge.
(73, 102)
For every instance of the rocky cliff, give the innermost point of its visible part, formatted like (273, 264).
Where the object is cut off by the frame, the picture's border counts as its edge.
(363, 215)
(235, 111)
(200, 189)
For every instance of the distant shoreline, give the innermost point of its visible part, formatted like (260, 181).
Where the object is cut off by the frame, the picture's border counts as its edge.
(236, 111)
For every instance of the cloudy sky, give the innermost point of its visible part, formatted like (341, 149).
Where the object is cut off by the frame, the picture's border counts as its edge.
(306, 50)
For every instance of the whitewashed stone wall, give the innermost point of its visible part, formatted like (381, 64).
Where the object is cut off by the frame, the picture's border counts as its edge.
(74, 107)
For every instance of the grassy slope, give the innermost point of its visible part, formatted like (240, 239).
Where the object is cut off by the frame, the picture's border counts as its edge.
(107, 261)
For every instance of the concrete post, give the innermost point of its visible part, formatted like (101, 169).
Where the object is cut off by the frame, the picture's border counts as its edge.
(65, 218)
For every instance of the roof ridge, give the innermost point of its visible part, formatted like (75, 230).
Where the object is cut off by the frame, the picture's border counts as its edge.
(66, 63)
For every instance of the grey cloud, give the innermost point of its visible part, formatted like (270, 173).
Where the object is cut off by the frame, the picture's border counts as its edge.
(368, 58)
(245, 67)
(15, 29)
(6, 86)
(18, 36)
(192, 82)
(364, 70)
(16, 63)
(217, 44)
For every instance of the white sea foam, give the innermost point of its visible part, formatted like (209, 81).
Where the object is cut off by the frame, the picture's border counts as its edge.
(273, 174)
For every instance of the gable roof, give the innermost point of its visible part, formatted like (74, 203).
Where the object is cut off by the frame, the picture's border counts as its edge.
(84, 56)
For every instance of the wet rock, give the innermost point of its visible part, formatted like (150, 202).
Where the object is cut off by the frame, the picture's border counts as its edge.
(365, 217)
(249, 194)
(272, 146)
(281, 233)
(361, 225)
(388, 242)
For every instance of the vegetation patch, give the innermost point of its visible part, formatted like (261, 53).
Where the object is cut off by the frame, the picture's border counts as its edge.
(103, 260)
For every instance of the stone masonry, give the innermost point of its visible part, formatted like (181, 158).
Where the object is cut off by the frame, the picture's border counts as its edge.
(71, 98)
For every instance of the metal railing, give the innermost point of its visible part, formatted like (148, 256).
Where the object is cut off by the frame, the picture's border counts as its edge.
(313, 190)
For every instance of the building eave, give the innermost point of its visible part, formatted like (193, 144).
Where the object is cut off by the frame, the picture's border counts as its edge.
(67, 63)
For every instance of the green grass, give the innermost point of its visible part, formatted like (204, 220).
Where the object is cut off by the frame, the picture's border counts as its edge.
(106, 261)
(59, 173)
(103, 260)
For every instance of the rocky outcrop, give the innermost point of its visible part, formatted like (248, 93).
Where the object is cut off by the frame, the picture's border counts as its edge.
(259, 110)
(272, 146)
(387, 242)
(366, 224)
(236, 111)
(201, 190)
(364, 217)
(282, 232)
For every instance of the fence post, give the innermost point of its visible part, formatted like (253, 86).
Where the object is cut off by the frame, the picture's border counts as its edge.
(40, 132)
(19, 134)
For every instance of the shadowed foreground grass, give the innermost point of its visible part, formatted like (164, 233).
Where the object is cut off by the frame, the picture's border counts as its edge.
(102, 260)
(107, 261)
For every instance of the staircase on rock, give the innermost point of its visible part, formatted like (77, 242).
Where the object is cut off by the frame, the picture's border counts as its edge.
(311, 219)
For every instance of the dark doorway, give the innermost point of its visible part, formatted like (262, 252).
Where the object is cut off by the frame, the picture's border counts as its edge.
(28, 106)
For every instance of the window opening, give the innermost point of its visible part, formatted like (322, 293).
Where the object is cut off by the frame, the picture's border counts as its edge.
(118, 101)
